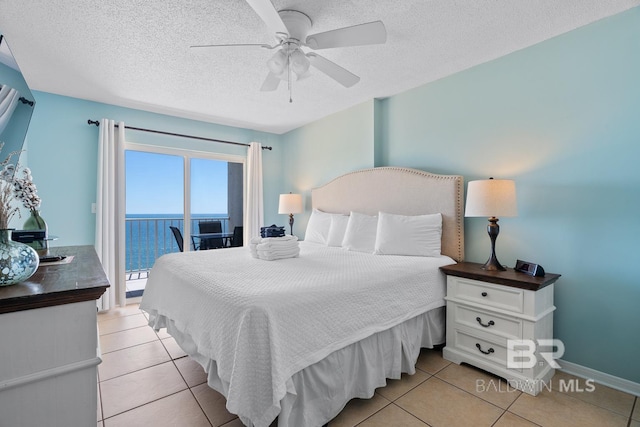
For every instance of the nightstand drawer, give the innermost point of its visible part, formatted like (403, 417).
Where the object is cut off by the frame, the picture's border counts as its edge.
(486, 321)
(480, 348)
(503, 297)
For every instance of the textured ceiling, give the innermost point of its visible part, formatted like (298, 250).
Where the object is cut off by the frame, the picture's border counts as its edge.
(135, 53)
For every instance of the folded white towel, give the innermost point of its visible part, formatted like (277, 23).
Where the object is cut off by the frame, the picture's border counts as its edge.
(273, 257)
(254, 252)
(280, 252)
(252, 246)
(273, 241)
(276, 240)
(279, 239)
(272, 248)
(283, 245)
(275, 247)
(267, 248)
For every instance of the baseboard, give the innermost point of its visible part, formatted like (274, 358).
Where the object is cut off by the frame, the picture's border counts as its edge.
(600, 377)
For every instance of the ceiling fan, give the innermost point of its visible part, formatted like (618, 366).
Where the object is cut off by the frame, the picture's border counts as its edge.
(291, 30)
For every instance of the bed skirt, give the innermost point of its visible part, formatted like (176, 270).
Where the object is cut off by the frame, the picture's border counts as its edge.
(318, 393)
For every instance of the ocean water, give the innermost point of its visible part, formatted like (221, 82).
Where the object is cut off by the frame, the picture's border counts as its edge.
(147, 236)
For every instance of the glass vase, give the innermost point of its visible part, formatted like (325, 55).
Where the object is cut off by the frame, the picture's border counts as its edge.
(36, 222)
(18, 261)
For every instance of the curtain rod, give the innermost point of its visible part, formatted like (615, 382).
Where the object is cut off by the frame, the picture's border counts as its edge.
(97, 123)
(25, 101)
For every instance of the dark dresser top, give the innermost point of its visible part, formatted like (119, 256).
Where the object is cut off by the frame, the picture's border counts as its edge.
(83, 279)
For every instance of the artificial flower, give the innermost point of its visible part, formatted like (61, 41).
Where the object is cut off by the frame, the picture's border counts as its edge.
(15, 187)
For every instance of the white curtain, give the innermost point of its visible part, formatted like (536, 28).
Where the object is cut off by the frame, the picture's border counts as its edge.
(254, 218)
(110, 204)
(8, 101)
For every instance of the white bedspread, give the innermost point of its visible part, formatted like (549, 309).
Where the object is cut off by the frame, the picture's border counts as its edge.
(264, 321)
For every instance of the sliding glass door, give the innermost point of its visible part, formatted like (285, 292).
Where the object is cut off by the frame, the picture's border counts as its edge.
(154, 203)
(170, 195)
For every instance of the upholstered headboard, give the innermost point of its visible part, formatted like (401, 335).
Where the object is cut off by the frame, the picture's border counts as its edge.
(402, 191)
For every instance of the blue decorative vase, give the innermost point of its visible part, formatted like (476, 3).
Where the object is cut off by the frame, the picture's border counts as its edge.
(18, 261)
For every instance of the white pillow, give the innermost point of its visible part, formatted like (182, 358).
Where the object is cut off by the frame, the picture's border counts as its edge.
(360, 235)
(318, 227)
(418, 235)
(337, 229)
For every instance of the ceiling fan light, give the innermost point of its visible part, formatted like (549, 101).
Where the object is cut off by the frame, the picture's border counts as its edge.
(300, 69)
(303, 75)
(277, 63)
(299, 62)
(284, 76)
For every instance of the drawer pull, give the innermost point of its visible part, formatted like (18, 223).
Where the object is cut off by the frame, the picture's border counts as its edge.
(486, 325)
(484, 294)
(491, 350)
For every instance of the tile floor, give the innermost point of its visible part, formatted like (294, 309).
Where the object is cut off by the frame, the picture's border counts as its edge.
(145, 379)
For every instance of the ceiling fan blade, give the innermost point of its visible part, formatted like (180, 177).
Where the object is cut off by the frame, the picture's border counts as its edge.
(357, 35)
(270, 83)
(269, 14)
(248, 45)
(333, 70)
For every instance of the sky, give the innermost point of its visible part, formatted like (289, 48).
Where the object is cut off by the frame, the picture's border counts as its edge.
(154, 184)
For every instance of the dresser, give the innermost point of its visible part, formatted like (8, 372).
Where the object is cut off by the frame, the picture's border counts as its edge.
(487, 311)
(48, 343)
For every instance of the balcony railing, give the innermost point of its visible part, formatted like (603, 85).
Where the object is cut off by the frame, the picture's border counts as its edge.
(149, 238)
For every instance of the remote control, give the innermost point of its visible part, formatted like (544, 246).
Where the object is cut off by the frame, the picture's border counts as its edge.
(52, 258)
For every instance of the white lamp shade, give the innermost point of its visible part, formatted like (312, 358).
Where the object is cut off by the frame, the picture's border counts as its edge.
(290, 204)
(299, 62)
(278, 62)
(491, 198)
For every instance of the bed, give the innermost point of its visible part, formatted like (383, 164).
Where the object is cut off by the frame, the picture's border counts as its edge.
(295, 339)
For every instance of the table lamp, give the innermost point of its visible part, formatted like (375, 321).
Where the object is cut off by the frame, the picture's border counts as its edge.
(491, 198)
(290, 204)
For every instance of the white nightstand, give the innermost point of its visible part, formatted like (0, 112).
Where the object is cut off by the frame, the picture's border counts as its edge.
(486, 309)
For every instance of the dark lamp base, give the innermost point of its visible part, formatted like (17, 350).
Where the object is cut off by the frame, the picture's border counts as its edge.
(493, 229)
(291, 222)
(492, 264)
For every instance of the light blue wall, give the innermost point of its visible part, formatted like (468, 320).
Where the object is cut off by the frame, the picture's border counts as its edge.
(62, 153)
(562, 119)
(314, 154)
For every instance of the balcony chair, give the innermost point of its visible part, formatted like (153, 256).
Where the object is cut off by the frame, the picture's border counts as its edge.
(178, 235)
(236, 239)
(211, 227)
(179, 240)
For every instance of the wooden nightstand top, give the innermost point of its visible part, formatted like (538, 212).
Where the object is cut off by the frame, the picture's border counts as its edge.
(510, 277)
